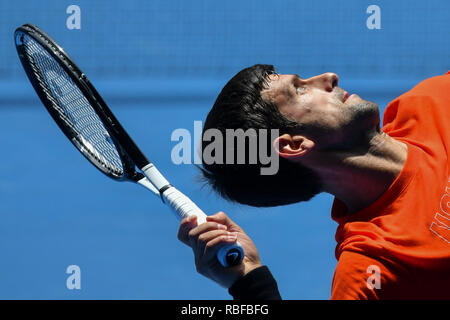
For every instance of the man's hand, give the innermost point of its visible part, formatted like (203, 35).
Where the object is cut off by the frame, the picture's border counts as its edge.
(206, 238)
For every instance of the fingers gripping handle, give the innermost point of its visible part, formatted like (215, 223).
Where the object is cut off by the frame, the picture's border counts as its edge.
(228, 255)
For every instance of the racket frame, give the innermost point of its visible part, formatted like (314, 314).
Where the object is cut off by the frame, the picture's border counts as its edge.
(129, 153)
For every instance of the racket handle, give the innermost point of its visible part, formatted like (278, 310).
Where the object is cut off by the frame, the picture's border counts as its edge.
(228, 255)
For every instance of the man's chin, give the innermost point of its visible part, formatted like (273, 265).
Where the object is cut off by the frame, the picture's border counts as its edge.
(362, 109)
(365, 114)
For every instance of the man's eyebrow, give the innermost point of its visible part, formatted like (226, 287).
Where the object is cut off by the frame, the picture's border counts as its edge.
(291, 85)
(268, 77)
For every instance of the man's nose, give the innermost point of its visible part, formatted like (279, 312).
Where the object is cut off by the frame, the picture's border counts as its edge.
(326, 81)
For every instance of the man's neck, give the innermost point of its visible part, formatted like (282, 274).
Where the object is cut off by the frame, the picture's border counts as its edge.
(359, 177)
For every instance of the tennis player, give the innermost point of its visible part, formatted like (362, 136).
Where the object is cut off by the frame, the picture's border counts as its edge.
(391, 184)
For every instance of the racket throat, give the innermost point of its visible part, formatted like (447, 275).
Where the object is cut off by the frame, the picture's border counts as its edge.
(156, 178)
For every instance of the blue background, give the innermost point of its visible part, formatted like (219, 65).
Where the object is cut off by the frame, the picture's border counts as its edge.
(159, 65)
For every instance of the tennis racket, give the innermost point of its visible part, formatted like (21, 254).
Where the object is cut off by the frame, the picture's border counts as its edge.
(83, 116)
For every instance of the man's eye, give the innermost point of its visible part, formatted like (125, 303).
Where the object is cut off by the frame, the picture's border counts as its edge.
(300, 90)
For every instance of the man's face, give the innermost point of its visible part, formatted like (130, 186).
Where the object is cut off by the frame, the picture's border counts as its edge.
(329, 115)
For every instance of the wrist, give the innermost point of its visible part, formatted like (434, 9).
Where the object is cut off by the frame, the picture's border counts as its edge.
(250, 266)
(245, 269)
(258, 284)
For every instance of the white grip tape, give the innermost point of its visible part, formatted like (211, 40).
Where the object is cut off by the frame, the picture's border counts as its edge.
(184, 207)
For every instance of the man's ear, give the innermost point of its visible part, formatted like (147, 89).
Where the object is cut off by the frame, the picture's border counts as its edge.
(290, 147)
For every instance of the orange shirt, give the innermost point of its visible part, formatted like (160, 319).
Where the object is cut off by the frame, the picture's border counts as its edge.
(399, 246)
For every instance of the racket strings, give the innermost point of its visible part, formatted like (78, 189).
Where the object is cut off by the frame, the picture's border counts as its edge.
(73, 108)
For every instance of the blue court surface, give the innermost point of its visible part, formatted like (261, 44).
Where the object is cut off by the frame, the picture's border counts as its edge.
(160, 65)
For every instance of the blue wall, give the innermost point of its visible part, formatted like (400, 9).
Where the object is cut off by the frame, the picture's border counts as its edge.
(202, 38)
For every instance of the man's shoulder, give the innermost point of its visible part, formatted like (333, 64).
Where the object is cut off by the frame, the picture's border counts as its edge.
(424, 107)
(437, 87)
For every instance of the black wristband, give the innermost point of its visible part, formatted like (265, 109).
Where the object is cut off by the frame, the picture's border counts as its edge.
(258, 284)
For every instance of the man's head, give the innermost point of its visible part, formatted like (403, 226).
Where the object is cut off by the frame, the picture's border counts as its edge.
(330, 119)
(312, 115)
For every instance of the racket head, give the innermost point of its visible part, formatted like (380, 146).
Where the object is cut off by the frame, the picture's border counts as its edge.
(76, 106)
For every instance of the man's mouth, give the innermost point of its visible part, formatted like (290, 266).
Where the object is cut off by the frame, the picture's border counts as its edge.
(345, 96)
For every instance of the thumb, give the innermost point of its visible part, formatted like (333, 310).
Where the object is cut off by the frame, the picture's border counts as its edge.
(222, 218)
